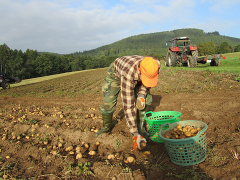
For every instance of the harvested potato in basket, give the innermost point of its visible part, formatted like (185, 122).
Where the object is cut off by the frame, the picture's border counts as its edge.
(182, 132)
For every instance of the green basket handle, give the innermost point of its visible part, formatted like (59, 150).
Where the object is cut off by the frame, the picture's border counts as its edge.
(145, 115)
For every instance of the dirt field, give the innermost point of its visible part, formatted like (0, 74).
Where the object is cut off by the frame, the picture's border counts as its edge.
(39, 121)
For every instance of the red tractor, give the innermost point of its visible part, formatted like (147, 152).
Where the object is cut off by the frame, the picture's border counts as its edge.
(181, 52)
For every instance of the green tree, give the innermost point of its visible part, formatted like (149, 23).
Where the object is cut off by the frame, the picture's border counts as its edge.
(89, 64)
(237, 48)
(210, 48)
(18, 67)
(206, 48)
(224, 48)
(29, 58)
(77, 64)
(5, 55)
(65, 65)
(112, 52)
(43, 65)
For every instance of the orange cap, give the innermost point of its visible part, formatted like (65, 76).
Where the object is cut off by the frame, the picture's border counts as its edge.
(149, 72)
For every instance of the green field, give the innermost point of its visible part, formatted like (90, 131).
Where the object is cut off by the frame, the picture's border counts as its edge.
(229, 65)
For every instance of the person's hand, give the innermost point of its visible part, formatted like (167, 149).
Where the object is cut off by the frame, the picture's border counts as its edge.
(137, 139)
(140, 104)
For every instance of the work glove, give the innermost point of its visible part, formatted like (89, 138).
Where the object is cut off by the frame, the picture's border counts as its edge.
(140, 104)
(137, 139)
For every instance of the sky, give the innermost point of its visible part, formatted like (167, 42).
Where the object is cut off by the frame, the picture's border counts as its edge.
(68, 26)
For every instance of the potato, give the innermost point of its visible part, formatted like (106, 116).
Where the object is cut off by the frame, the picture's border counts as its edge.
(184, 129)
(53, 153)
(96, 130)
(111, 157)
(97, 143)
(131, 160)
(182, 136)
(188, 126)
(71, 152)
(79, 156)
(179, 126)
(194, 131)
(92, 153)
(78, 149)
(60, 145)
(86, 146)
(182, 132)
(179, 132)
(143, 145)
(168, 134)
(69, 148)
(188, 134)
(146, 153)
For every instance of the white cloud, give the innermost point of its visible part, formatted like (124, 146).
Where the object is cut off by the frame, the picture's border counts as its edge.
(68, 26)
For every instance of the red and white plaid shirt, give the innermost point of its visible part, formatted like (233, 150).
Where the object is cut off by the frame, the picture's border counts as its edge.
(126, 70)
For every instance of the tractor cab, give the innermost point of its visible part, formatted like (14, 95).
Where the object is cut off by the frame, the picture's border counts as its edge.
(180, 41)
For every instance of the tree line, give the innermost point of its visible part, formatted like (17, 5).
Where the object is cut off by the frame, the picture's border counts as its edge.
(210, 48)
(32, 64)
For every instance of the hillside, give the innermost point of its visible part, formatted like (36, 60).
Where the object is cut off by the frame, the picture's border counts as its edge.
(155, 43)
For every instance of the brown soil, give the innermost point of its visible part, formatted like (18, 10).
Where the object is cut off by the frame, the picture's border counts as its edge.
(36, 118)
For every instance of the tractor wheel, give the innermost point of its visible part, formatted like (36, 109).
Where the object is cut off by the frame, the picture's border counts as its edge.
(171, 59)
(166, 61)
(5, 85)
(195, 53)
(192, 62)
(215, 62)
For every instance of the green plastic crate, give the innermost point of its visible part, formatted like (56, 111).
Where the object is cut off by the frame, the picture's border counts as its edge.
(155, 119)
(189, 151)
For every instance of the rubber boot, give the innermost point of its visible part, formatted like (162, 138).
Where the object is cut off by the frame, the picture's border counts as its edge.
(141, 123)
(107, 121)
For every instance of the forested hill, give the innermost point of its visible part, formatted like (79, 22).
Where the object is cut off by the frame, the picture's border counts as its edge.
(31, 64)
(155, 43)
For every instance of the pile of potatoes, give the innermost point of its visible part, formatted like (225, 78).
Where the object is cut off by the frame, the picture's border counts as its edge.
(182, 132)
